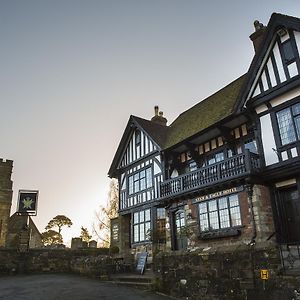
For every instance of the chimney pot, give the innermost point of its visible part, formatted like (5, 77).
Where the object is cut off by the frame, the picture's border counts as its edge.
(158, 117)
(258, 35)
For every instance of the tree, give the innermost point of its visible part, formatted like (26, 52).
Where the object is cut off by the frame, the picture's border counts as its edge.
(51, 237)
(59, 221)
(85, 234)
(107, 212)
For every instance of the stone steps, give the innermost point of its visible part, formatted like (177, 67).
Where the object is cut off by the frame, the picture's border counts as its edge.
(134, 279)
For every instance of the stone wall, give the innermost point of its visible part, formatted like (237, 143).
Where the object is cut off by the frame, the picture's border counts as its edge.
(92, 262)
(225, 273)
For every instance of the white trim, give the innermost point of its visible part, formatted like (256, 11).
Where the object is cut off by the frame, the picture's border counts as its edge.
(285, 97)
(268, 140)
(294, 152)
(285, 183)
(271, 73)
(260, 109)
(293, 70)
(279, 64)
(284, 155)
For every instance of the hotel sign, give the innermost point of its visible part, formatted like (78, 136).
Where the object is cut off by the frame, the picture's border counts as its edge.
(218, 194)
(115, 232)
(27, 202)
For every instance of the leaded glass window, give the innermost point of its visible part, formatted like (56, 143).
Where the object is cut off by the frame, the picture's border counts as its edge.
(288, 121)
(141, 226)
(140, 181)
(220, 213)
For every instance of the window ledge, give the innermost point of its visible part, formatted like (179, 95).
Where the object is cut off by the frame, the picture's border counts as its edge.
(220, 233)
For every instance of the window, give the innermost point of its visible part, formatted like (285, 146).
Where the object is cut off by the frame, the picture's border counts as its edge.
(138, 143)
(192, 166)
(137, 137)
(217, 157)
(141, 226)
(161, 224)
(251, 146)
(220, 213)
(140, 181)
(288, 121)
(288, 53)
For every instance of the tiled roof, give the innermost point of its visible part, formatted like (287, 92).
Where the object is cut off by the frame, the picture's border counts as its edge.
(204, 114)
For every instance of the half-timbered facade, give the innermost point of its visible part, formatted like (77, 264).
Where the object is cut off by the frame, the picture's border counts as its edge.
(226, 171)
(138, 167)
(273, 94)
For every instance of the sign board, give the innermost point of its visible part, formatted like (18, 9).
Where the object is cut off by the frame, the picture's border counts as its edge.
(264, 274)
(115, 232)
(141, 262)
(27, 202)
(218, 194)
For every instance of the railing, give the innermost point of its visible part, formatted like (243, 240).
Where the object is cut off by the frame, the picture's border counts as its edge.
(234, 167)
(290, 258)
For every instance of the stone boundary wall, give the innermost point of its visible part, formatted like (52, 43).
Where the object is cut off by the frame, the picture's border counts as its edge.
(224, 274)
(92, 262)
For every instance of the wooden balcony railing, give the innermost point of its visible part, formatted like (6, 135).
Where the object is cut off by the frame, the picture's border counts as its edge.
(237, 166)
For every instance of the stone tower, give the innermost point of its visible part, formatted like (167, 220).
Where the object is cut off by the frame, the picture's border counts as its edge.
(5, 197)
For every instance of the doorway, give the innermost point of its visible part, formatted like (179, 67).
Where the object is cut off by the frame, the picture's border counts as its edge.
(180, 230)
(289, 199)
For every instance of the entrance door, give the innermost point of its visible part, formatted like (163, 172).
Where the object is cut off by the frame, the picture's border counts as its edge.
(180, 230)
(290, 200)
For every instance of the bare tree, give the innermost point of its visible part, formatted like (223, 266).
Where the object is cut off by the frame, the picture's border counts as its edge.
(101, 227)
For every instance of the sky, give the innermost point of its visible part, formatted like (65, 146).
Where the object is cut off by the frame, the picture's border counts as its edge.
(72, 72)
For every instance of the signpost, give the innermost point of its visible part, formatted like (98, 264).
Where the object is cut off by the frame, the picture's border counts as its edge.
(141, 262)
(264, 275)
(27, 206)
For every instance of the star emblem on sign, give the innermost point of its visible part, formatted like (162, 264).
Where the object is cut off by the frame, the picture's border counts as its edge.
(27, 202)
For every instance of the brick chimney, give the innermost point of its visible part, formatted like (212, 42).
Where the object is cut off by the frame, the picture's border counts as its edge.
(158, 117)
(258, 35)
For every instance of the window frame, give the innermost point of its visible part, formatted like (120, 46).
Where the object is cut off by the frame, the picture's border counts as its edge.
(228, 208)
(293, 123)
(131, 185)
(139, 224)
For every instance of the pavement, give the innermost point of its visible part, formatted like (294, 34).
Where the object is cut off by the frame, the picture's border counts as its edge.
(64, 287)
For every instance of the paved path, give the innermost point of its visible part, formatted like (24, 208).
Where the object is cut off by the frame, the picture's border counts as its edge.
(64, 287)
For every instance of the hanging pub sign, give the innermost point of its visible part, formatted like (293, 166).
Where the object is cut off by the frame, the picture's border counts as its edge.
(27, 202)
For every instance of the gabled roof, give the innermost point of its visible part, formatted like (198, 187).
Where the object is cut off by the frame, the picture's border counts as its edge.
(157, 133)
(276, 22)
(205, 114)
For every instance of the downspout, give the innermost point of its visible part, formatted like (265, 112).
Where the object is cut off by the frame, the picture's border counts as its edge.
(249, 188)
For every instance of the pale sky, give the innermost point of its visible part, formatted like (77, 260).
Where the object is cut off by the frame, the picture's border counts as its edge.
(72, 72)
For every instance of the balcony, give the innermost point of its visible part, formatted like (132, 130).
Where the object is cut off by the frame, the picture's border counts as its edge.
(238, 166)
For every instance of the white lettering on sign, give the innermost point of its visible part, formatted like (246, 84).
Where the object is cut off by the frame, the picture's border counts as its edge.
(218, 194)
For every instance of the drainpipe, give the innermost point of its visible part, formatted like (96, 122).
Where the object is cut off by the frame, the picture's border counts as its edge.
(249, 189)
